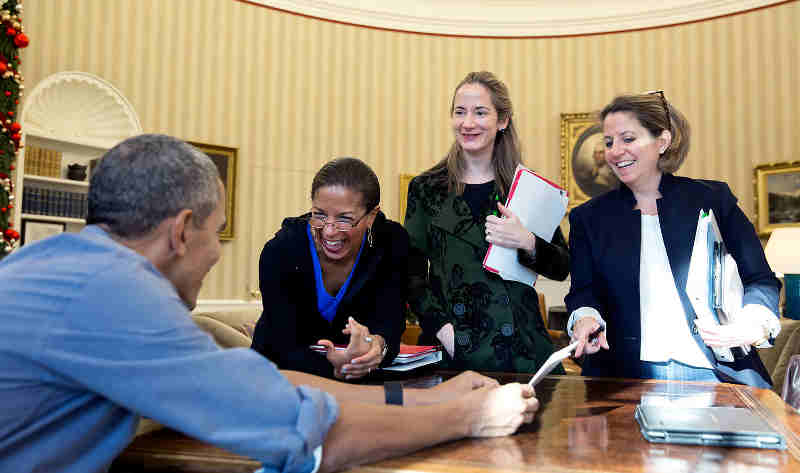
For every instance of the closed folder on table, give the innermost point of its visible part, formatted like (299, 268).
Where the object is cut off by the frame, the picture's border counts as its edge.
(540, 205)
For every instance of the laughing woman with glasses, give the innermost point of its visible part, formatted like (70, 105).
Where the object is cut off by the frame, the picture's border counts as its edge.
(335, 276)
(630, 251)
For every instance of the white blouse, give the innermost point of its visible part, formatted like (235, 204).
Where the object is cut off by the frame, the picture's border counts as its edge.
(665, 332)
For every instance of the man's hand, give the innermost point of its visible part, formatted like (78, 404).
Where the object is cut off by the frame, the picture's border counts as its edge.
(456, 387)
(508, 231)
(584, 329)
(501, 410)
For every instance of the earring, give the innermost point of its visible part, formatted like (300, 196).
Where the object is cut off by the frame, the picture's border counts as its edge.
(370, 239)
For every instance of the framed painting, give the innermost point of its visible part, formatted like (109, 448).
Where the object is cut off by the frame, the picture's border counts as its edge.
(777, 196)
(225, 160)
(405, 179)
(35, 230)
(584, 172)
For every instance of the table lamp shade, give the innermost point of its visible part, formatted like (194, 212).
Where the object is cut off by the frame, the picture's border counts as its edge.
(783, 255)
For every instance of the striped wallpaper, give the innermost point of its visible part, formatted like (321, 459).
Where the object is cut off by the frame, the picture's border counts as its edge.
(291, 92)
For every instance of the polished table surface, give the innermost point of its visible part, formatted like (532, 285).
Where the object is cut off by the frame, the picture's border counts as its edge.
(583, 425)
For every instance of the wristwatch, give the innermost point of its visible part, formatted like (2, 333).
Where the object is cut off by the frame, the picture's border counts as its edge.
(393, 390)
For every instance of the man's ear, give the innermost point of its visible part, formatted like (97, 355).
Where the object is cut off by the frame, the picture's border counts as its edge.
(181, 225)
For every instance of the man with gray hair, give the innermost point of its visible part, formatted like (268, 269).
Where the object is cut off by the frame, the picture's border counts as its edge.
(95, 331)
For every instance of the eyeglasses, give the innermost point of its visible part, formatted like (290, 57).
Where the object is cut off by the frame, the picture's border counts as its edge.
(319, 221)
(660, 93)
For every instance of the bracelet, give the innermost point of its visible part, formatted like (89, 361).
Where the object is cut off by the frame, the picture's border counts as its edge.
(394, 392)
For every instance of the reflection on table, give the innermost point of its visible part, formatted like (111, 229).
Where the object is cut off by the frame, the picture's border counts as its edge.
(584, 424)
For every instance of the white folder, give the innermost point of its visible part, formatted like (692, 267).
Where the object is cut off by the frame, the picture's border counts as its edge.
(713, 285)
(540, 205)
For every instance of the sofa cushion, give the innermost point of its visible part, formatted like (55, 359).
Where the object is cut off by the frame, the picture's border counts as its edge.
(230, 329)
(776, 359)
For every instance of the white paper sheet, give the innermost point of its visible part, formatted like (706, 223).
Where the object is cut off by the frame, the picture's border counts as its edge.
(540, 206)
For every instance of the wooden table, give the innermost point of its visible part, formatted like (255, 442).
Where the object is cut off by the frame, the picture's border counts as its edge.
(584, 425)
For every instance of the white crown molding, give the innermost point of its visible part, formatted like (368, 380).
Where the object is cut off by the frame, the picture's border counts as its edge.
(514, 18)
(79, 107)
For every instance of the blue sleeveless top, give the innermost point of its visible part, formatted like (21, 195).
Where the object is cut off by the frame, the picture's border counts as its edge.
(327, 304)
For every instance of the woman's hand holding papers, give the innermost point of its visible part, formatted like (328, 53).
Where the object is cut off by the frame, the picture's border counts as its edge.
(507, 231)
(590, 335)
(743, 331)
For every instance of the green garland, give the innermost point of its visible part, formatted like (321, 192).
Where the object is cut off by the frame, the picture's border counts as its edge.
(12, 39)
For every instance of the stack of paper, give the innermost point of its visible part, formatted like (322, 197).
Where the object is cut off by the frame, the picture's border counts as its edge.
(410, 356)
(540, 206)
(713, 284)
(414, 356)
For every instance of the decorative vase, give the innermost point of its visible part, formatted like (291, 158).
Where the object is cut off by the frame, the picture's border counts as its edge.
(76, 172)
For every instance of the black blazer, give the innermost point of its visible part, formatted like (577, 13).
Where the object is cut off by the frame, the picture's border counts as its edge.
(605, 244)
(290, 322)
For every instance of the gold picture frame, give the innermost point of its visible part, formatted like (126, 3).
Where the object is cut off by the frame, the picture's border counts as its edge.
(224, 158)
(405, 180)
(777, 196)
(584, 173)
(35, 230)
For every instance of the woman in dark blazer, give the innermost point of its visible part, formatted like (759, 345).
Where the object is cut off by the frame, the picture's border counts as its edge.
(336, 275)
(453, 213)
(630, 252)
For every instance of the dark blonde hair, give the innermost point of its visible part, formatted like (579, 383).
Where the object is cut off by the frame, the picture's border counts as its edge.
(506, 154)
(651, 112)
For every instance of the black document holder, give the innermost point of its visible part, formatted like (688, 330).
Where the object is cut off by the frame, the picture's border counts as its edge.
(714, 426)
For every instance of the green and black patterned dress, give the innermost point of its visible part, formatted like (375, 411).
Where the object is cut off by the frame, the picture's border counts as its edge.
(498, 326)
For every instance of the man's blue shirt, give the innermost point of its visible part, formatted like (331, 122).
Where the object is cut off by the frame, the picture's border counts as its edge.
(92, 336)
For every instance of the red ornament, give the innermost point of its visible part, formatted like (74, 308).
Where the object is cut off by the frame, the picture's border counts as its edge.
(3, 209)
(21, 40)
(3, 175)
(10, 114)
(10, 206)
(8, 93)
(3, 67)
(16, 137)
(11, 31)
(15, 127)
(11, 167)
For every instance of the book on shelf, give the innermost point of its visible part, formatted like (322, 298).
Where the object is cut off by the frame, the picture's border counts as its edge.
(43, 201)
(409, 357)
(42, 161)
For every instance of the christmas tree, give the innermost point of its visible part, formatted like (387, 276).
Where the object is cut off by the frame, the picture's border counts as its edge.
(12, 39)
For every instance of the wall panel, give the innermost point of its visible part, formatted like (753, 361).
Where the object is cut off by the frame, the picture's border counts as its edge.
(291, 92)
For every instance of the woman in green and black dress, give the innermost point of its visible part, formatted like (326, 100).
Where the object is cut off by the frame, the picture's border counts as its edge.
(454, 212)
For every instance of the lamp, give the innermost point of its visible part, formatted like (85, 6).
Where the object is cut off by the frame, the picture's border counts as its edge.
(783, 255)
